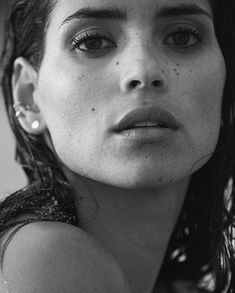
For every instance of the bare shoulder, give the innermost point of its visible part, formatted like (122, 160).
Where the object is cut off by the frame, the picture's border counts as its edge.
(57, 257)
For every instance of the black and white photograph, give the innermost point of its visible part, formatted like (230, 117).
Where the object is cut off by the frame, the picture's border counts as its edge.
(117, 146)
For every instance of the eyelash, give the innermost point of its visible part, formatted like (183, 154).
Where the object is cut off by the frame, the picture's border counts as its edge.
(89, 35)
(191, 31)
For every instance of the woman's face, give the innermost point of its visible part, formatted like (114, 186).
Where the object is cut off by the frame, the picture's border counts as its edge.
(158, 58)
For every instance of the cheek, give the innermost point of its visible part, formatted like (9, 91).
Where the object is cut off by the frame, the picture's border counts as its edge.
(209, 87)
(72, 103)
(68, 97)
(201, 100)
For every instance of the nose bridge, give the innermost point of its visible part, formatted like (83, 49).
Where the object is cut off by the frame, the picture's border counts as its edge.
(142, 53)
(142, 66)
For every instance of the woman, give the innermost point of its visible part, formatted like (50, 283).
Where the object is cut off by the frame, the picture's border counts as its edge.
(123, 115)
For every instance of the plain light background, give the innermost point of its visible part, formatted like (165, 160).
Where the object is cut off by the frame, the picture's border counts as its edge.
(11, 175)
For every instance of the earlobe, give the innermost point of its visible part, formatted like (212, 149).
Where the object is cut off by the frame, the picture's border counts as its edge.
(31, 121)
(24, 82)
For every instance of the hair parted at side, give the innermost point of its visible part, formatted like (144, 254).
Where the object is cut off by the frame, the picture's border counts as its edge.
(203, 240)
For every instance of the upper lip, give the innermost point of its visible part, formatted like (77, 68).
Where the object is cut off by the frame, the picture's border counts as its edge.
(153, 113)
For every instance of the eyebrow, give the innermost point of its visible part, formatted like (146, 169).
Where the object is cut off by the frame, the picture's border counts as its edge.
(107, 13)
(117, 14)
(181, 10)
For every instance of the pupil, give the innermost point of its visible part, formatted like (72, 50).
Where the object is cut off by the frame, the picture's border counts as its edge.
(181, 38)
(93, 44)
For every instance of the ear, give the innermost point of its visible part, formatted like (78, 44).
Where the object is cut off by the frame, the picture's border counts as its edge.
(24, 83)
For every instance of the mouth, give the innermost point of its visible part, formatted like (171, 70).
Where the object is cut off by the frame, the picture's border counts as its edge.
(145, 119)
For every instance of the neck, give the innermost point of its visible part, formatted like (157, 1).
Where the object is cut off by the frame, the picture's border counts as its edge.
(135, 225)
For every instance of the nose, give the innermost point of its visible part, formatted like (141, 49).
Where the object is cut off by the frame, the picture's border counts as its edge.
(143, 73)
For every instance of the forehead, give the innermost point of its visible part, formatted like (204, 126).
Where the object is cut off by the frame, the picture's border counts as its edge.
(145, 8)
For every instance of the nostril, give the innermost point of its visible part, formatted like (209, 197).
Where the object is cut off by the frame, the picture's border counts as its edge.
(156, 83)
(135, 83)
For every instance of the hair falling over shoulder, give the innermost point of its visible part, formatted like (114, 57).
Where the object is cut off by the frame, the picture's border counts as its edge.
(203, 242)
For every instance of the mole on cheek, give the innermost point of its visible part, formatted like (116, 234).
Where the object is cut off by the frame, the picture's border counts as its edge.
(93, 109)
(80, 78)
(117, 63)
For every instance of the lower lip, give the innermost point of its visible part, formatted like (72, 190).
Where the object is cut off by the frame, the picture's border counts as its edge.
(148, 134)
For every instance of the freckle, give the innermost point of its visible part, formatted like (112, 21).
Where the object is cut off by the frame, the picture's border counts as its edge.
(93, 109)
(80, 78)
(117, 63)
(160, 179)
(177, 65)
(177, 74)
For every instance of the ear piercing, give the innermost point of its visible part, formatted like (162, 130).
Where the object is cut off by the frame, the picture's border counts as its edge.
(20, 108)
(35, 124)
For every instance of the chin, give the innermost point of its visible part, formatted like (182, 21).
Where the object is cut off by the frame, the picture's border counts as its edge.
(140, 180)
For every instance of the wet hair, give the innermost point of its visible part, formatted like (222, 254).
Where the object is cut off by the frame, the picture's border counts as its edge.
(48, 195)
(203, 240)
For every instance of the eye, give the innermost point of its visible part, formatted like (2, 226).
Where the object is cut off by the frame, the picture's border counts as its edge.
(184, 37)
(92, 42)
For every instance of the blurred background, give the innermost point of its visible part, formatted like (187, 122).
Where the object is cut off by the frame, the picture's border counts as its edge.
(11, 175)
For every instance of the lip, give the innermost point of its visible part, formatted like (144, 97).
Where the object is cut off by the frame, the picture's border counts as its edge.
(150, 113)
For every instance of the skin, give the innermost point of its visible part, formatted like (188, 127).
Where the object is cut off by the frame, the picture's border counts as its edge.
(192, 85)
(138, 186)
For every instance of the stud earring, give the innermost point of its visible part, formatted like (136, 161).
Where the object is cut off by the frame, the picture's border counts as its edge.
(35, 124)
